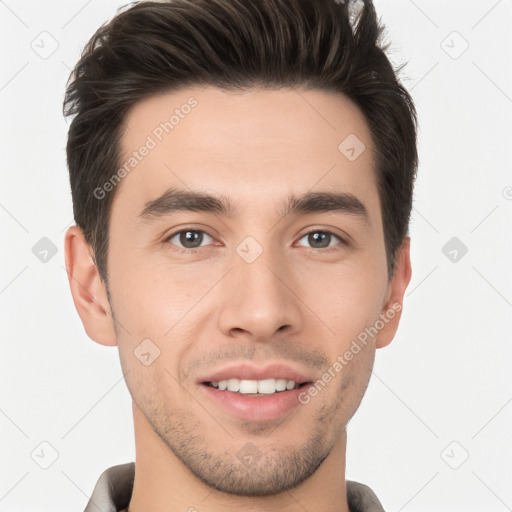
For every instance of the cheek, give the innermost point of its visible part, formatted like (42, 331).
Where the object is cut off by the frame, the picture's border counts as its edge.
(153, 387)
(158, 303)
(348, 298)
(151, 298)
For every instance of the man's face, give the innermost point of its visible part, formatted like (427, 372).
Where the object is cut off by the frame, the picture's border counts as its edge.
(245, 291)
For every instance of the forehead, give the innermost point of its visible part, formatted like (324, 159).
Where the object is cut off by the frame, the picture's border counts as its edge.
(259, 143)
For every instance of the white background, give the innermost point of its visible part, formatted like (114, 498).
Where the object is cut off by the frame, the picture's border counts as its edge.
(440, 392)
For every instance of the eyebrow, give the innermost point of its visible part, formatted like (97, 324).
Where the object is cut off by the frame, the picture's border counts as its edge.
(174, 200)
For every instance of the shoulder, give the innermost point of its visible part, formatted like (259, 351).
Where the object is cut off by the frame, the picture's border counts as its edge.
(361, 498)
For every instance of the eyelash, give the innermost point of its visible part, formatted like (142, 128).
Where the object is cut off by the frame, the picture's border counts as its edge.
(193, 251)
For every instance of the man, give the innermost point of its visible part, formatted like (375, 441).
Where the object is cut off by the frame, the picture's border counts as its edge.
(242, 178)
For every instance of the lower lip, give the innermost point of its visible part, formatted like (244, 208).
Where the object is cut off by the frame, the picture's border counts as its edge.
(256, 408)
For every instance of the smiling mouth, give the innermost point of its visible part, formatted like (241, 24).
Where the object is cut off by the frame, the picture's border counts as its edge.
(264, 387)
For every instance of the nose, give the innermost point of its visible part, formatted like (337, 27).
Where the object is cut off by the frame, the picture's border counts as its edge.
(260, 299)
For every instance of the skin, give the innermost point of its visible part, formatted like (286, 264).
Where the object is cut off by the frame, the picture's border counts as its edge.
(295, 304)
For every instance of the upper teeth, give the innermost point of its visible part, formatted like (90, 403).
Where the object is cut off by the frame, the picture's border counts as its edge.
(266, 386)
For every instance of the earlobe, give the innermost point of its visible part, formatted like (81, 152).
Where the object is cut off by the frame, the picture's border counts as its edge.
(392, 310)
(88, 290)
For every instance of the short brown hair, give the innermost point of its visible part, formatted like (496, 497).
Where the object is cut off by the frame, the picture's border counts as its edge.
(154, 47)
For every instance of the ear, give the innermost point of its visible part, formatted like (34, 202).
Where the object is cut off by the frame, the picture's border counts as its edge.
(88, 290)
(392, 310)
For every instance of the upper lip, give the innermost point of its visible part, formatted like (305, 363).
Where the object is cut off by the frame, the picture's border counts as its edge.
(246, 371)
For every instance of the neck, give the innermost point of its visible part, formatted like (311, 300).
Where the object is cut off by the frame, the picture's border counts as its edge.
(164, 484)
